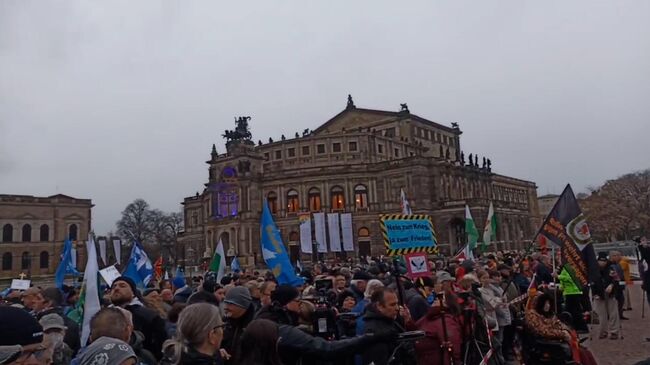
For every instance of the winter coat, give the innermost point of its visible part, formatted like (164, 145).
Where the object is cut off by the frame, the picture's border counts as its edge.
(151, 325)
(416, 303)
(608, 277)
(380, 353)
(232, 334)
(428, 349)
(543, 274)
(192, 357)
(490, 302)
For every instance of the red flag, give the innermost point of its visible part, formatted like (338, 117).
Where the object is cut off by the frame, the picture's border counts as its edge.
(158, 268)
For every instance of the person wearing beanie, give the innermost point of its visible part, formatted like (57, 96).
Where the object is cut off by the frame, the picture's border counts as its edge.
(284, 307)
(240, 311)
(124, 294)
(358, 284)
(19, 328)
(108, 351)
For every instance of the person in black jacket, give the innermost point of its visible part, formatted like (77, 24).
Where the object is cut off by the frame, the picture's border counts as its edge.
(416, 297)
(604, 292)
(382, 316)
(53, 303)
(145, 320)
(240, 311)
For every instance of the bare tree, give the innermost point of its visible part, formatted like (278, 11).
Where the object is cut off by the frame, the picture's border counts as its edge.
(620, 208)
(136, 222)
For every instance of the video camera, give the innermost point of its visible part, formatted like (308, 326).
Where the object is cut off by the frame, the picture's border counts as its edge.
(324, 317)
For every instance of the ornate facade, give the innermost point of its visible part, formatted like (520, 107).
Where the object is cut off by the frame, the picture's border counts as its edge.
(33, 230)
(356, 162)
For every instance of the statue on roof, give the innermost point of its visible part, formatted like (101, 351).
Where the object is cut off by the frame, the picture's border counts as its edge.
(471, 161)
(404, 108)
(350, 103)
(484, 162)
(489, 165)
(455, 125)
(462, 158)
(241, 133)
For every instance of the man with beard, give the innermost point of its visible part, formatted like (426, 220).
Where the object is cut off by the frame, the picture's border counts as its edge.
(145, 320)
(240, 311)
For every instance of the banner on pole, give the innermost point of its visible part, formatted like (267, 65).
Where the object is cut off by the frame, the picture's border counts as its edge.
(305, 233)
(405, 234)
(334, 231)
(346, 230)
(319, 227)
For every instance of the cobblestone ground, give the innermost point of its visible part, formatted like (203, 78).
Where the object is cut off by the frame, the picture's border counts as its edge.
(633, 347)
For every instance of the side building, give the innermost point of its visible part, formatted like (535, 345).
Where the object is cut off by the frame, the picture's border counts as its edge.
(356, 162)
(33, 232)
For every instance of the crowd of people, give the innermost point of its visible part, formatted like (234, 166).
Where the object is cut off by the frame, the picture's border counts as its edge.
(491, 310)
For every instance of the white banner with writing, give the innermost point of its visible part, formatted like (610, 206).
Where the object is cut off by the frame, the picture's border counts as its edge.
(346, 230)
(334, 231)
(305, 233)
(319, 227)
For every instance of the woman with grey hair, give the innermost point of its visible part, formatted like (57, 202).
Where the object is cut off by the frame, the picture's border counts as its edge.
(198, 337)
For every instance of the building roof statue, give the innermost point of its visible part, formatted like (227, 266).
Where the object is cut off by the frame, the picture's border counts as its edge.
(241, 133)
(404, 108)
(350, 103)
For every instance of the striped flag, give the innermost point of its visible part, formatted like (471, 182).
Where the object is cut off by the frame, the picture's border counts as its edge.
(218, 263)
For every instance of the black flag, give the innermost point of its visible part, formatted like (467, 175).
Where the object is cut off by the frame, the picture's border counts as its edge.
(566, 226)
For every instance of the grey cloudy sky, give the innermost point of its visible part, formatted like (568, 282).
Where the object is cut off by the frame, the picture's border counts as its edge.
(119, 100)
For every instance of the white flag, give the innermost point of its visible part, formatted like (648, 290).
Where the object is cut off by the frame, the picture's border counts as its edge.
(102, 250)
(346, 230)
(117, 248)
(91, 292)
(319, 227)
(218, 263)
(335, 232)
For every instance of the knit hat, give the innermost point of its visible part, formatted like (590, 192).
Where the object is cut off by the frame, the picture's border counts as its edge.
(361, 275)
(17, 327)
(284, 294)
(127, 280)
(52, 321)
(443, 276)
(602, 256)
(239, 296)
(107, 351)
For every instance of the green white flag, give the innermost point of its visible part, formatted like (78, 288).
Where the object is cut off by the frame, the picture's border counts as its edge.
(490, 231)
(218, 263)
(470, 229)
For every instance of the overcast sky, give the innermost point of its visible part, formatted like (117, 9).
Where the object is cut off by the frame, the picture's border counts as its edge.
(120, 100)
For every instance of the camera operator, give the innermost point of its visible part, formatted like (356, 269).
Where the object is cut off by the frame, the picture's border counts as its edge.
(383, 316)
(299, 347)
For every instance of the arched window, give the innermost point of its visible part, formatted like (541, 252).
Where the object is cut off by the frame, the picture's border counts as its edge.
(272, 199)
(44, 260)
(293, 204)
(7, 261)
(361, 196)
(27, 233)
(25, 262)
(7, 233)
(294, 237)
(337, 198)
(45, 233)
(314, 200)
(364, 233)
(72, 232)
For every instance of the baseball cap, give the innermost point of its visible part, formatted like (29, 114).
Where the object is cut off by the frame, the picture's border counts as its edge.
(52, 321)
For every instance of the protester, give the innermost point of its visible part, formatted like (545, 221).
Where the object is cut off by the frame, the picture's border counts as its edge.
(266, 289)
(19, 328)
(32, 299)
(53, 303)
(108, 351)
(417, 298)
(358, 284)
(198, 337)
(444, 334)
(240, 311)
(54, 331)
(615, 259)
(284, 307)
(261, 341)
(604, 292)
(145, 320)
(382, 317)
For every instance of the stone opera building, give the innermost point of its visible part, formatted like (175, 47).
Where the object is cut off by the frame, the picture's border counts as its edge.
(356, 163)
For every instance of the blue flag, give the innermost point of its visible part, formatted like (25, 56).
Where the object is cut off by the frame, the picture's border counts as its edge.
(274, 253)
(234, 265)
(139, 267)
(65, 266)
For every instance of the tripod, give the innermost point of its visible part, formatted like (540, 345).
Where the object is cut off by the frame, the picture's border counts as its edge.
(473, 346)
